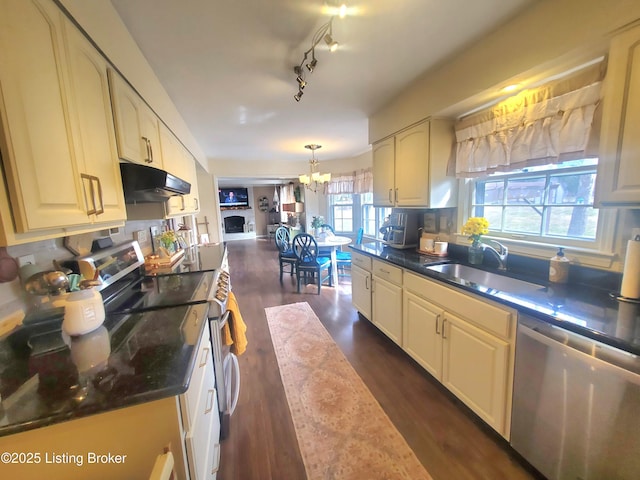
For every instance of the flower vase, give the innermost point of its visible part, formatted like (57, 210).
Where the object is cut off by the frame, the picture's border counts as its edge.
(476, 253)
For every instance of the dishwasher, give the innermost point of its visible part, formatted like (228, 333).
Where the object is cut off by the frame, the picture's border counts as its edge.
(576, 405)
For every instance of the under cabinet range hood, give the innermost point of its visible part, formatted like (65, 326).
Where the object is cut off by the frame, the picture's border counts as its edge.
(144, 184)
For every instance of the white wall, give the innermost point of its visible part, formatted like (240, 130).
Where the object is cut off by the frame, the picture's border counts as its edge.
(549, 37)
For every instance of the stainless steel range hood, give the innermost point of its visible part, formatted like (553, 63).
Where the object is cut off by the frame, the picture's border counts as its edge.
(144, 184)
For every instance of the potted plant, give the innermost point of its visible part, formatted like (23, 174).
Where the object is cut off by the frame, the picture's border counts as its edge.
(474, 229)
(316, 224)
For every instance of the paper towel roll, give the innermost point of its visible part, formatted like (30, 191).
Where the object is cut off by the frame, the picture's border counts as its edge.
(631, 275)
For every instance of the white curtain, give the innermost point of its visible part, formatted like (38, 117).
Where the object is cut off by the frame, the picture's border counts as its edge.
(549, 124)
(360, 181)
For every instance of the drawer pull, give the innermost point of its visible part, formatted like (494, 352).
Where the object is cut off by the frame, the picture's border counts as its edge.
(209, 401)
(216, 455)
(205, 355)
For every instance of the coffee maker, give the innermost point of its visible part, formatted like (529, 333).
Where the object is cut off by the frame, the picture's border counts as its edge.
(401, 230)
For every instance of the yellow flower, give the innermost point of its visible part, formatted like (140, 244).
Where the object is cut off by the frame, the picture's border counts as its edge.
(475, 228)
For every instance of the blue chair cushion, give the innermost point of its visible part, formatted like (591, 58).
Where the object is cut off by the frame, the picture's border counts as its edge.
(344, 256)
(288, 254)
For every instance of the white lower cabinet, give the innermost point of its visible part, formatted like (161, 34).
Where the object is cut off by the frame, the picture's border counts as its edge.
(361, 290)
(464, 342)
(387, 300)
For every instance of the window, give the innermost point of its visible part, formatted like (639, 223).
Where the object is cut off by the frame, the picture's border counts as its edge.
(543, 203)
(372, 217)
(342, 212)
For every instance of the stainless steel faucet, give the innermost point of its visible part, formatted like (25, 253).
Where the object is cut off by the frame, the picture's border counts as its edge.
(501, 253)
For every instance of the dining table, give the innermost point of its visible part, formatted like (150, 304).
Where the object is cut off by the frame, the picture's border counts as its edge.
(332, 242)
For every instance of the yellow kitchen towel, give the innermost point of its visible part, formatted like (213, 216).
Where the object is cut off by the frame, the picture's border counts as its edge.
(234, 331)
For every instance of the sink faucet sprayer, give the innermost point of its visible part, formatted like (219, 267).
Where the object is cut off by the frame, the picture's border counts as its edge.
(501, 253)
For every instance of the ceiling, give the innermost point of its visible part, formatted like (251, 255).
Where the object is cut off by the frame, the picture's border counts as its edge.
(228, 66)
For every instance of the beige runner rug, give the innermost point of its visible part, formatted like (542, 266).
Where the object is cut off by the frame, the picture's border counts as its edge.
(342, 431)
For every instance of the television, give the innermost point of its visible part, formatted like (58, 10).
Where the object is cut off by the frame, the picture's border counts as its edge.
(233, 197)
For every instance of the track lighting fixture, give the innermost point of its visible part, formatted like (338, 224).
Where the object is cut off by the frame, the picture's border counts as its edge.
(325, 32)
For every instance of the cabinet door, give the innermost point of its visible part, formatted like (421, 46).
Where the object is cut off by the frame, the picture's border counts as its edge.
(137, 127)
(178, 161)
(383, 173)
(93, 132)
(475, 369)
(412, 167)
(618, 181)
(361, 290)
(421, 332)
(387, 308)
(37, 146)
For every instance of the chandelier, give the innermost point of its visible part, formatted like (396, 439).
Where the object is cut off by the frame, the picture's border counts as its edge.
(315, 179)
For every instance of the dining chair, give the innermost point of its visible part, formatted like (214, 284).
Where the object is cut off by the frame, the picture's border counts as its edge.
(305, 249)
(343, 259)
(285, 252)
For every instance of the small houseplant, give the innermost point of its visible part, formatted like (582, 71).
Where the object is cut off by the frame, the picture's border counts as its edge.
(474, 229)
(316, 224)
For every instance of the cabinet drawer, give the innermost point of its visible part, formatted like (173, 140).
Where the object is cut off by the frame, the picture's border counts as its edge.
(493, 318)
(200, 440)
(388, 272)
(363, 261)
(201, 376)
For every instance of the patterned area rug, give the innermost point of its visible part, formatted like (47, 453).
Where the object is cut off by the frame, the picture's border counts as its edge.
(342, 431)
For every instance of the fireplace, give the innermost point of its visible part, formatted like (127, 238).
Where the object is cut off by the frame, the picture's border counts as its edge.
(234, 224)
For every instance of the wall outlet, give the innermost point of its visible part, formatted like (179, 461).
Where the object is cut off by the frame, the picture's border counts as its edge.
(26, 260)
(142, 236)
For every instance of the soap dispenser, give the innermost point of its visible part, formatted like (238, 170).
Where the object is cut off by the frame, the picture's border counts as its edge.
(559, 267)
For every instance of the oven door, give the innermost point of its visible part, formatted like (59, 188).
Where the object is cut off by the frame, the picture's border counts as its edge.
(227, 372)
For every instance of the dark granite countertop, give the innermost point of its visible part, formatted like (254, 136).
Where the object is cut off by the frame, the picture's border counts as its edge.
(581, 308)
(46, 377)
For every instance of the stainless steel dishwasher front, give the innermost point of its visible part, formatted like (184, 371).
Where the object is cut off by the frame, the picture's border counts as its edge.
(576, 405)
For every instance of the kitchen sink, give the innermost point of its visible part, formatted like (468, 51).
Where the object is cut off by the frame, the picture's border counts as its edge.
(485, 281)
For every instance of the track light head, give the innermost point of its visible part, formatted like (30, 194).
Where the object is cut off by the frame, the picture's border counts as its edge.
(298, 95)
(312, 64)
(301, 82)
(333, 45)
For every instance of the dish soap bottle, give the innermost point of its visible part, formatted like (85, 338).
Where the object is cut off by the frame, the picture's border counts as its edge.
(559, 267)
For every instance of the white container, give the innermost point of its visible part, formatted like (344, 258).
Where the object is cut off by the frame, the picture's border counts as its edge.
(83, 312)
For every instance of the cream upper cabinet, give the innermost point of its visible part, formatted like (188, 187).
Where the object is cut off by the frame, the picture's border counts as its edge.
(618, 182)
(384, 173)
(178, 161)
(409, 170)
(464, 342)
(95, 135)
(52, 183)
(137, 126)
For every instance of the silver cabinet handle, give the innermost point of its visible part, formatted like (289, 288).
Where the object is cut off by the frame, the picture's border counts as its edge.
(437, 321)
(366, 283)
(183, 205)
(209, 405)
(147, 144)
(396, 195)
(205, 355)
(197, 203)
(444, 320)
(101, 210)
(84, 176)
(390, 195)
(372, 285)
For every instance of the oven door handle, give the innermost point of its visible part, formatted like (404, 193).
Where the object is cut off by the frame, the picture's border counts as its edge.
(234, 379)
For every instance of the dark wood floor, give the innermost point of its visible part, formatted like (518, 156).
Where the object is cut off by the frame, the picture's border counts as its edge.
(449, 441)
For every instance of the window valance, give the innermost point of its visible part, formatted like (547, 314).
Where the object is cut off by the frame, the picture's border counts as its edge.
(360, 181)
(550, 124)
